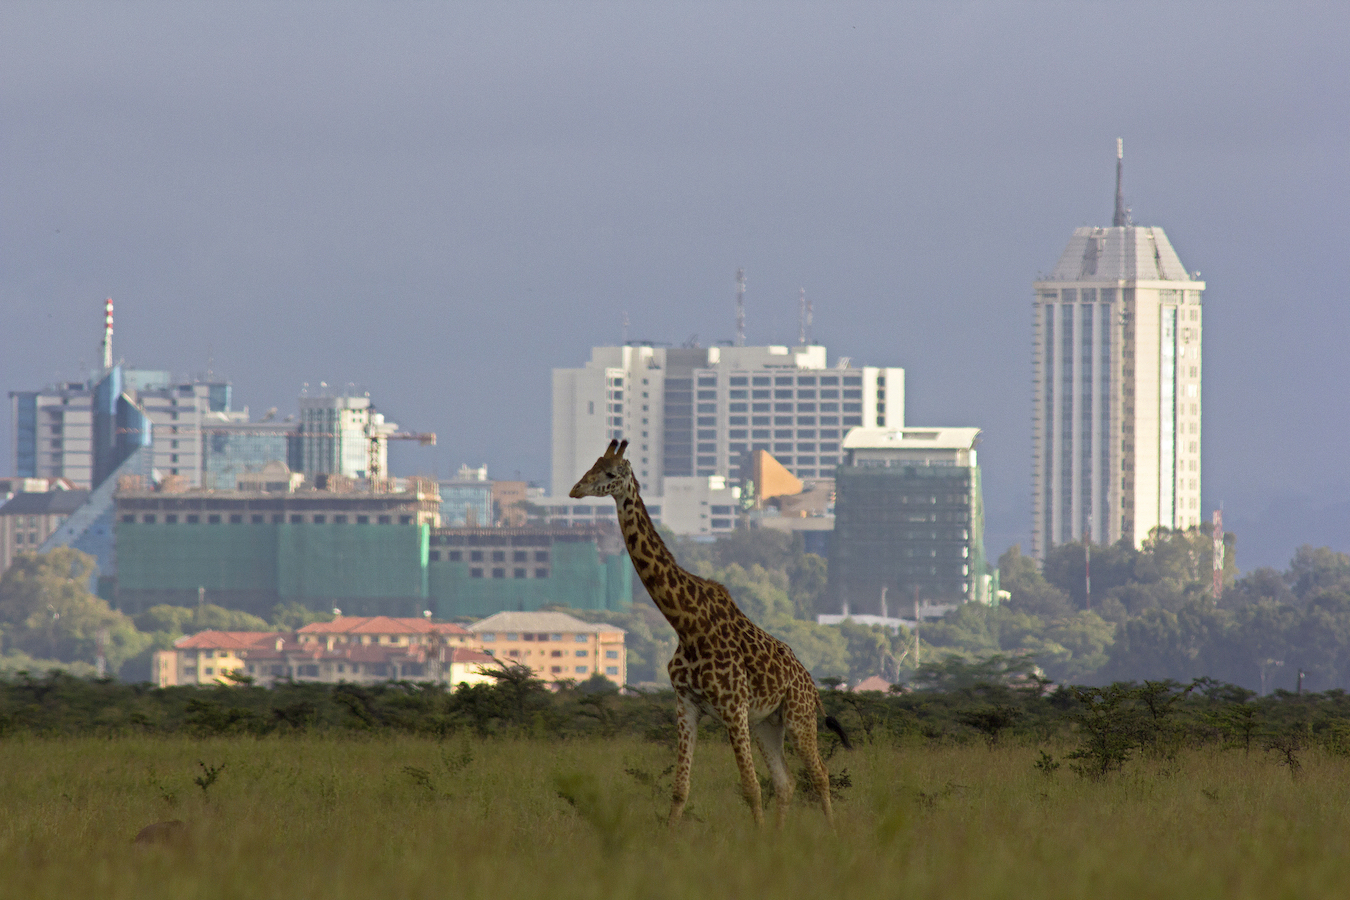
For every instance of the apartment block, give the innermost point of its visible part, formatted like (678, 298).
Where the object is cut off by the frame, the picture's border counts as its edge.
(556, 646)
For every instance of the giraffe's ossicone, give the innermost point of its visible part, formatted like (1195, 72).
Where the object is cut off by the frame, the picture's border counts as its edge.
(725, 665)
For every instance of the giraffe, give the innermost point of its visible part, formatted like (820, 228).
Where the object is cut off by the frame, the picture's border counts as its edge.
(725, 665)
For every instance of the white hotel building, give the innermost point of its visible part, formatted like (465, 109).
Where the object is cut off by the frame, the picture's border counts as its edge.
(1117, 371)
(692, 415)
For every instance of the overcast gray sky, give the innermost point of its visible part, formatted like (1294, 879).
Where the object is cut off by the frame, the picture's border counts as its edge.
(442, 202)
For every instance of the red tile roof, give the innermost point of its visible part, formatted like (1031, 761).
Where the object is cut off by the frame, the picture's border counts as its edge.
(231, 640)
(381, 625)
(467, 655)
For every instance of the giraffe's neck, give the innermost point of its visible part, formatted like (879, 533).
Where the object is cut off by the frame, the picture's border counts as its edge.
(670, 587)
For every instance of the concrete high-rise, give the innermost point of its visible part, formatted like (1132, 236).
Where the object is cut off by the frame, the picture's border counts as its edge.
(1117, 371)
(700, 412)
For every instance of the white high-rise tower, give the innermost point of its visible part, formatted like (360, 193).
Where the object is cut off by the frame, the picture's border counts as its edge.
(1117, 370)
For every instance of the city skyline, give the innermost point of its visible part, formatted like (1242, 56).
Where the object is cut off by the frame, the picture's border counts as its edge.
(410, 200)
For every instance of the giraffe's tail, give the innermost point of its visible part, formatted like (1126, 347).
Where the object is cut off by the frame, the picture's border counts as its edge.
(833, 724)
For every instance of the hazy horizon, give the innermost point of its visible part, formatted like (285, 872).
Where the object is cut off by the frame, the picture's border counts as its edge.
(441, 204)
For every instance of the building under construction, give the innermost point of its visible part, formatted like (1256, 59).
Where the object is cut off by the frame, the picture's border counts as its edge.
(366, 553)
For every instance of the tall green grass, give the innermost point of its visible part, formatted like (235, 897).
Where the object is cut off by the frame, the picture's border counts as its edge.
(347, 817)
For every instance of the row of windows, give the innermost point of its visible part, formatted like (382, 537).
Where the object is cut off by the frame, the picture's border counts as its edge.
(262, 519)
(735, 407)
(517, 556)
(490, 637)
(515, 573)
(786, 380)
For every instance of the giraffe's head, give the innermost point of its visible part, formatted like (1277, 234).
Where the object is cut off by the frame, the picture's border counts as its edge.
(610, 474)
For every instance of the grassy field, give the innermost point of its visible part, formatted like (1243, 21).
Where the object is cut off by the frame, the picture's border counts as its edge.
(346, 817)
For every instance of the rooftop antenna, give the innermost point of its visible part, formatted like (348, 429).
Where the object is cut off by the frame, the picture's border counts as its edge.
(1122, 217)
(740, 307)
(107, 334)
(625, 328)
(803, 318)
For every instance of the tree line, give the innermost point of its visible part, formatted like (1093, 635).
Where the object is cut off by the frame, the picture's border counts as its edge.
(1149, 613)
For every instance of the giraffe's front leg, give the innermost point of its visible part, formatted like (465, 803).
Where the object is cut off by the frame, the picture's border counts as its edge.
(686, 713)
(738, 727)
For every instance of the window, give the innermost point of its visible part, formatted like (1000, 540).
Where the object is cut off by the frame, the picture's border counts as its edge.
(611, 670)
(475, 573)
(498, 573)
(129, 519)
(319, 519)
(517, 573)
(256, 519)
(296, 519)
(171, 519)
(541, 573)
(488, 636)
(541, 556)
(556, 669)
(213, 520)
(148, 518)
(475, 555)
(612, 654)
(405, 520)
(193, 519)
(236, 519)
(339, 520)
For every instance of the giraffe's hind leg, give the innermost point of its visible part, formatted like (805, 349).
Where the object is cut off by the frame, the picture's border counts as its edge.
(801, 726)
(686, 712)
(769, 736)
(738, 727)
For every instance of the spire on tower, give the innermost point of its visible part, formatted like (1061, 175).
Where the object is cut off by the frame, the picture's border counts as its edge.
(1122, 216)
(107, 334)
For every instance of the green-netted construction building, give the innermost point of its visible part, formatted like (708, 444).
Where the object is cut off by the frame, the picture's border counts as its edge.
(909, 517)
(364, 553)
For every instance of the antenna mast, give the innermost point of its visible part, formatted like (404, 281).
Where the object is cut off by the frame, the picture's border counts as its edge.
(107, 334)
(1122, 216)
(625, 329)
(740, 307)
(803, 318)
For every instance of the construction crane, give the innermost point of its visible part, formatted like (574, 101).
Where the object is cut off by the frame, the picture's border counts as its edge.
(373, 438)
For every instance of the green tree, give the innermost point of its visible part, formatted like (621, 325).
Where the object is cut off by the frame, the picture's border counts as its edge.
(47, 611)
(807, 577)
(293, 616)
(1318, 568)
(180, 620)
(1031, 593)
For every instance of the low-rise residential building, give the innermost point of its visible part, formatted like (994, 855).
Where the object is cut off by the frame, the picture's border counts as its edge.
(556, 646)
(351, 649)
(389, 631)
